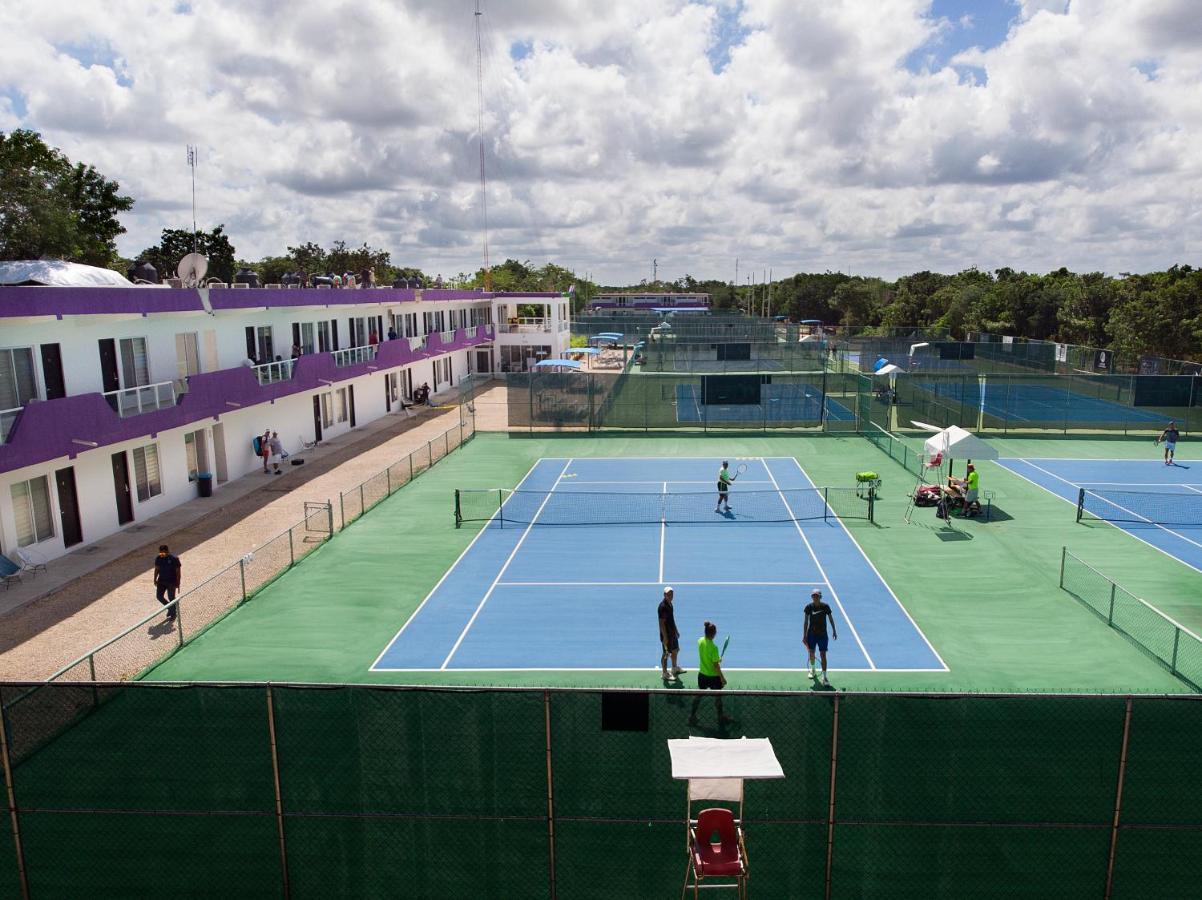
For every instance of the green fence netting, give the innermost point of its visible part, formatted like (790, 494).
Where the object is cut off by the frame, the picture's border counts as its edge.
(375, 791)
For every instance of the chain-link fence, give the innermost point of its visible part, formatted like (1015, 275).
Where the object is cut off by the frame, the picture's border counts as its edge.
(359, 499)
(286, 790)
(1165, 639)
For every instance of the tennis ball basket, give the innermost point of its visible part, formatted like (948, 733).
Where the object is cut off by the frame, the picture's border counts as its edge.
(868, 485)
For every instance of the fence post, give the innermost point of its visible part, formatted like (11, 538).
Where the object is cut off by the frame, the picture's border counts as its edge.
(1063, 553)
(362, 502)
(388, 479)
(1118, 801)
(1176, 643)
(330, 516)
(279, 800)
(179, 624)
(291, 551)
(550, 791)
(446, 442)
(342, 509)
(430, 454)
(1110, 616)
(242, 573)
(830, 814)
(11, 795)
(410, 466)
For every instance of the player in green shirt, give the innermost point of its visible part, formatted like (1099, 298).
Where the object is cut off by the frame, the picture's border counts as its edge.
(725, 480)
(709, 672)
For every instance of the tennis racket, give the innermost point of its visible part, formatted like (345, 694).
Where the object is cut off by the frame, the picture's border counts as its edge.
(725, 644)
(740, 470)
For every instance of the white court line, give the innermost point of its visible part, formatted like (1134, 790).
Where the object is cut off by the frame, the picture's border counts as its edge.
(512, 554)
(649, 669)
(877, 572)
(1137, 484)
(652, 583)
(821, 571)
(663, 533)
(425, 599)
(1073, 504)
(1190, 487)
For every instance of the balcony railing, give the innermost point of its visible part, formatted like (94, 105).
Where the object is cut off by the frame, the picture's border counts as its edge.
(448, 337)
(270, 373)
(7, 417)
(353, 356)
(144, 399)
(417, 342)
(524, 326)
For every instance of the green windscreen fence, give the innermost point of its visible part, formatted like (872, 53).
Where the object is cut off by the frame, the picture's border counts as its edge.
(686, 401)
(250, 790)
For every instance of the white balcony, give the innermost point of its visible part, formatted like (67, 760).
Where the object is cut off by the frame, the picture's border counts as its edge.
(270, 373)
(448, 337)
(417, 342)
(353, 356)
(147, 398)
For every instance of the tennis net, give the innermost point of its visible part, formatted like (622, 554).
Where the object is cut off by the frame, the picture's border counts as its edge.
(1144, 507)
(588, 507)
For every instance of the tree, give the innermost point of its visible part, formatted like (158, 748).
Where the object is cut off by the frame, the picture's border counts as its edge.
(51, 207)
(177, 243)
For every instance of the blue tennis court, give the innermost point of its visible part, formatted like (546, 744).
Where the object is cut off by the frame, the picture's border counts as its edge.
(1134, 490)
(787, 402)
(530, 596)
(1019, 402)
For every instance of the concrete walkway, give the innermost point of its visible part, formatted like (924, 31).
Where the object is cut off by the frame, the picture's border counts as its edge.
(90, 595)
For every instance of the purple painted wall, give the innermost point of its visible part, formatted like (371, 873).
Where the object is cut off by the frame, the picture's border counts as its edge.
(44, 430)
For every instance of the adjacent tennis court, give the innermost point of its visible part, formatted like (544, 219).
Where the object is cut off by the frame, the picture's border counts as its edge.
(1157, 504)
(779, 403)
(568, 570)
(1035, 403)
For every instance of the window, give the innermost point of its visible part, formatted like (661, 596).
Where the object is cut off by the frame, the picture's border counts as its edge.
(323, 337)
(187, 354)
(195, 451)
(306, 337)
(135, 368)
(439, 324)
(18, 381)
(342, 416)
(327, 410)
(427, 320)
(146, 472)
(442, 371)
(393, 383)
(31, 510)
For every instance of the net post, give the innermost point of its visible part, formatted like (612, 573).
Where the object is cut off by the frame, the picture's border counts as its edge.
(830, 813)
(279, 799)
(14, 816)
(1080, 502)
(872, 504)
(1063, 555)
(826, 503)
(550, 791)
(1118, 801)
(501, 506)
(458, 510)
(1110, 615)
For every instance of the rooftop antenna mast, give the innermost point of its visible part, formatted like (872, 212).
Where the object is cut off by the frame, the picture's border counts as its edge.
(192, 166)
(480, 131)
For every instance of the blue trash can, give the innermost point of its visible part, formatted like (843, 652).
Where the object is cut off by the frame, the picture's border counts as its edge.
(204, 483)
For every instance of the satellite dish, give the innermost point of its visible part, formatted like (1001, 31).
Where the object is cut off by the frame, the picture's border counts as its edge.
(192, 269)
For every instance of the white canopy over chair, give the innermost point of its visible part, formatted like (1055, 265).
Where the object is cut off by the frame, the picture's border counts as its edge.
(959, 443)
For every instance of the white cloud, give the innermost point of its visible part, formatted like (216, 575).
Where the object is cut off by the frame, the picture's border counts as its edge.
(611, 140)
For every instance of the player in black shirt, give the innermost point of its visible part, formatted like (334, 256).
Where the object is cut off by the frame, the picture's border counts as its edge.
(1169, 437)
(817, 615)
(669, 637)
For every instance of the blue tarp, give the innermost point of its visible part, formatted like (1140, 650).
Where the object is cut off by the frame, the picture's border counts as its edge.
(565, 363)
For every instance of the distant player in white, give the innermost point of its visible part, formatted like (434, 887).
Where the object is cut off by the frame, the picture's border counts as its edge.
(1169, 437)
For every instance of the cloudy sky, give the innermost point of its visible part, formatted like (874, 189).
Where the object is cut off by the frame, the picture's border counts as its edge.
(877, 136)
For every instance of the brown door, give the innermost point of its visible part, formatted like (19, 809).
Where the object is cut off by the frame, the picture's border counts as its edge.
(109, 378)
(125, 502)
(317, 418)
(68, 506)
(52, 371)
(350, 398)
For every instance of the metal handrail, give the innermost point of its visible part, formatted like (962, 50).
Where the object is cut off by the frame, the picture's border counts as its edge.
(270, 373)
(144, 398)
(353, 356)
(7, 417)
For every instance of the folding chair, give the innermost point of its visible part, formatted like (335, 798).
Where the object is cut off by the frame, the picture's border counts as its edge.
(30, 561)
(10, 572)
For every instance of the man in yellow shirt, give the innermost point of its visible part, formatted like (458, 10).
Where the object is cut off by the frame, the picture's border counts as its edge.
(709, 672)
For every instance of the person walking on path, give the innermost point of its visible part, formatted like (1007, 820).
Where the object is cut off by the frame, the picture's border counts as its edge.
(277, 451)
(265, 451)
(167, 570)
(817, 614)
(1169, 437)
(709, 672)
(669, 637)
